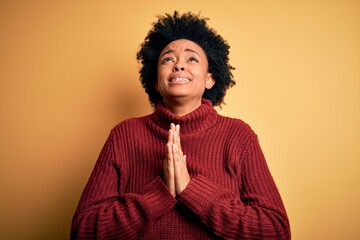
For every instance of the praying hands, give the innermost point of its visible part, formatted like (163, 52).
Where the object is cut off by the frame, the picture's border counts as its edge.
(176, 175)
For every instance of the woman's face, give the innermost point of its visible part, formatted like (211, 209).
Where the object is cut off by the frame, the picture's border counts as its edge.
(183, 72)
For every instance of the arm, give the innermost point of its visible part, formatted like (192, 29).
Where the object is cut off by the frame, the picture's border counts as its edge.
(259, 214)
(105, 211)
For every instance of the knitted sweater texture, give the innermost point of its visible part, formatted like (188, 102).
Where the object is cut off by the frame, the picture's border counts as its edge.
(231, 194)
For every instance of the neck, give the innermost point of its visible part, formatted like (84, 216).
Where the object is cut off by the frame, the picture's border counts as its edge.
(203, 117)
(181, 109)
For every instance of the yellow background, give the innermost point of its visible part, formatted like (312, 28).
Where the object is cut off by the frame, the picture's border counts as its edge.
(68, 74)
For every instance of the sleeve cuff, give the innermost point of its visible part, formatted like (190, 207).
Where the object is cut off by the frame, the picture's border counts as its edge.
(199, 195)
(158, 199)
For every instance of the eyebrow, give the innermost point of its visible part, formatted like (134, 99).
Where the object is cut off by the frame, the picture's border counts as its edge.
(186, 50)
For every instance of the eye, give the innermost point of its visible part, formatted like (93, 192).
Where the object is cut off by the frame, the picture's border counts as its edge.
(193, 59)
(167, 59)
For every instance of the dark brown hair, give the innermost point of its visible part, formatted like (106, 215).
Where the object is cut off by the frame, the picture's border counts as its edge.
(192, 27)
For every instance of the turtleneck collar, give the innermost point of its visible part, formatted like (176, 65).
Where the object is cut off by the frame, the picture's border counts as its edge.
(198, 120)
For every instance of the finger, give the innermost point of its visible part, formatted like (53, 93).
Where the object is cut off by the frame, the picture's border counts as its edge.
(168, 164)
(171, 137)
(169, 171)
(177, 131)
(172, 126)
(171, 133)
(174, 152)
(170, 152)
(177, 143)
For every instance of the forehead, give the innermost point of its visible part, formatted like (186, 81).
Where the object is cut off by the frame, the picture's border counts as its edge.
(183, 45)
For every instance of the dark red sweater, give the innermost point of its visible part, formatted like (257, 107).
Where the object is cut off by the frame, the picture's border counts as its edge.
(231, 194)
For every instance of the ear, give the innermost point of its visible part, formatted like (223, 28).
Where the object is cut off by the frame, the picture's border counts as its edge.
(210, 81)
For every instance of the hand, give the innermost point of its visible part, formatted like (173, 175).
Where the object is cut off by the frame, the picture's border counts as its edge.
(175, 171)
(169, 174)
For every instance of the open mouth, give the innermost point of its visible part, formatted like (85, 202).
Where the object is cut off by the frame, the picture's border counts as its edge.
(179, 79)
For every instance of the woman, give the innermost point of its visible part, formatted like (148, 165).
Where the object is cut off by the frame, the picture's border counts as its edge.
(182, 172)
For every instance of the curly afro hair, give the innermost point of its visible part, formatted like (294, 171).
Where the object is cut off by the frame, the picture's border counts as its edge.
(192, 27)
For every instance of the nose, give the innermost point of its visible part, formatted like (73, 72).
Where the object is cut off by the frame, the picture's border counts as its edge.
(179, 66)
(176, 69)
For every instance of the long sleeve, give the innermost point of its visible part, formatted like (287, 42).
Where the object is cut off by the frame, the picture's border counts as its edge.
(231, 194)
(106, 211)
(258, 213)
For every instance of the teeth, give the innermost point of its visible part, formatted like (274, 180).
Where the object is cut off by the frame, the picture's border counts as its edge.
(179, 79)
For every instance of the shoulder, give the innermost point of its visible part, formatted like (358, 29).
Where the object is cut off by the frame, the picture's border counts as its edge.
(235, 125)
(130, 125)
